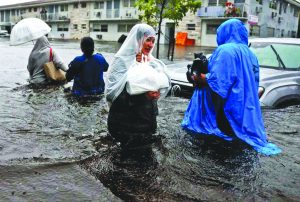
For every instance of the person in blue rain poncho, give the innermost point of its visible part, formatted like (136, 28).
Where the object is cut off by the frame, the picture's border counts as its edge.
(226, 102)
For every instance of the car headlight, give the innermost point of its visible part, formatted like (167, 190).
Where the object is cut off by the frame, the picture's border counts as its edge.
(261, 91)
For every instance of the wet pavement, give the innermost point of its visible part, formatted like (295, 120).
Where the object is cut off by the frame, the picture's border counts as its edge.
(54, 147)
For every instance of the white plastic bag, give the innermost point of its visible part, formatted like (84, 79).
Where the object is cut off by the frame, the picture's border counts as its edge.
(141, 78)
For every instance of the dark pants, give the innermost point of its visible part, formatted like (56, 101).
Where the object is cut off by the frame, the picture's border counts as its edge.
(222, 121)
(132, 120)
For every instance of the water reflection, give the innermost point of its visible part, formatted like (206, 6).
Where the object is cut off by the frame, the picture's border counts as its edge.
(45, 130)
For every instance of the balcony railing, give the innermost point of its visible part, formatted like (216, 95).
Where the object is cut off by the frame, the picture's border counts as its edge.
(211, 11)
(219, 11)
(114, 14)
(55, 17)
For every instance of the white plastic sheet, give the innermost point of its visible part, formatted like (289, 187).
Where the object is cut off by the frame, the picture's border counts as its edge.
(142, 77)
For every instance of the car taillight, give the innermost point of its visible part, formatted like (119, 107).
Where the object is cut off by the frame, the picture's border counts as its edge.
(261, 91)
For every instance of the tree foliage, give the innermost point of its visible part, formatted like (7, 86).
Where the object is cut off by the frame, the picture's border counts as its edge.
(154, 11)
(172, 9)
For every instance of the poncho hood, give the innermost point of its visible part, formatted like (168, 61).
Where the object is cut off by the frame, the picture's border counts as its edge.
(232, 31)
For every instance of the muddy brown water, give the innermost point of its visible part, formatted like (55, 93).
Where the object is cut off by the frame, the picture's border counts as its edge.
(54, 147)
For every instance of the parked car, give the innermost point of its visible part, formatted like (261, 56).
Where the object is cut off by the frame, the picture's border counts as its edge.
(279, 60)
(4, 33)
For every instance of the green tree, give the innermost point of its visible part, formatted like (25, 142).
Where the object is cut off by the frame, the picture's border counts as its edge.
(154, 11)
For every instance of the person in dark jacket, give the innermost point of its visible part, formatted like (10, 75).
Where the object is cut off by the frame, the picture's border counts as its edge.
(87, 70)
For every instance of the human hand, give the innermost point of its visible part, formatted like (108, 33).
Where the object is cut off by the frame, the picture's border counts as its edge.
(199, 80)
(153, 95)
(139, 57)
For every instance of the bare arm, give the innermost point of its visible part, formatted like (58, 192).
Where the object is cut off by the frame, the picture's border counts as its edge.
(59, 62)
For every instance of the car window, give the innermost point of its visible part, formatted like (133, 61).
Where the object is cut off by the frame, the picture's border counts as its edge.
(288, 53)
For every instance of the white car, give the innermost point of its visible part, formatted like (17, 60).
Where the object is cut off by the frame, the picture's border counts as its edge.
(279, 60)
(4, 33)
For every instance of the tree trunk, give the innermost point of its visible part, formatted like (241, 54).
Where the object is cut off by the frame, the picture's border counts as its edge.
(159, 27)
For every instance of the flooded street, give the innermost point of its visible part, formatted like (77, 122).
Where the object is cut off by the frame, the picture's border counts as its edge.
(54, 147)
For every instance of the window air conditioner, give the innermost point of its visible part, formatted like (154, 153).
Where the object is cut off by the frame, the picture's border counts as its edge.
(274, 14)
(258, 9)
(99, 36)
(128, 14)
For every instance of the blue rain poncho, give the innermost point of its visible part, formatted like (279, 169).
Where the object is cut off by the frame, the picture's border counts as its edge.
(233, 75)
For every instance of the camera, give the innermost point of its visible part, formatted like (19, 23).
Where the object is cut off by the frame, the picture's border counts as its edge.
(199, 66)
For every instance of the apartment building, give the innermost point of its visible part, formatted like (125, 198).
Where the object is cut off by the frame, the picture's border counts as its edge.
(264, 18)
(107, 20)
(69, 19)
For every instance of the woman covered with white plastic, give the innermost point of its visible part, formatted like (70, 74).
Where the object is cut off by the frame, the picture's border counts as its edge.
(134, 83)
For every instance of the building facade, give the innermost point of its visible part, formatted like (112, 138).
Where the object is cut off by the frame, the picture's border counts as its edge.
(107, 20)
(103, 19)
(264, 18)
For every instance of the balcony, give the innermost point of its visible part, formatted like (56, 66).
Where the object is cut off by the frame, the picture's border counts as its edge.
(211, 11)
(53, 17)
(220, 11)
(114, 14)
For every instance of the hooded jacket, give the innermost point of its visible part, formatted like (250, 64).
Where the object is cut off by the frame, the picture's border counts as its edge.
(234, 76)
(40, 55)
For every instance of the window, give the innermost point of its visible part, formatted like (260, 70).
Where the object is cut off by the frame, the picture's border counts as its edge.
(108, 5)
(75, 5)
(273, 4)
(99, 27)
(104, 28)
(29, 9)
(260, 1)
(35, 9)
(99, 5)
(254, 30)
(289, 54)
(211, 29)
(75, 26)
(83, 5)
(62, 27)
(124, 27)
(95, 27)
(83, 26)
(2, 16)
(129, 3)
(271, 32)
(191, 26)
(132, 2)
(212, 2)
(284, 7)
(22, 11)
(296, 12)
(64, 7)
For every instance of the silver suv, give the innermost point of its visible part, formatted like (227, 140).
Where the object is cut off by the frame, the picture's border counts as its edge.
(279, 60)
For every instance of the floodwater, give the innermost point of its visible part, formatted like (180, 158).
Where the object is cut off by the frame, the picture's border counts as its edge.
(54, 147)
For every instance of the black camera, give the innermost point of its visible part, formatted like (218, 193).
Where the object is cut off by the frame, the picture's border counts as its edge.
(199, 66)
